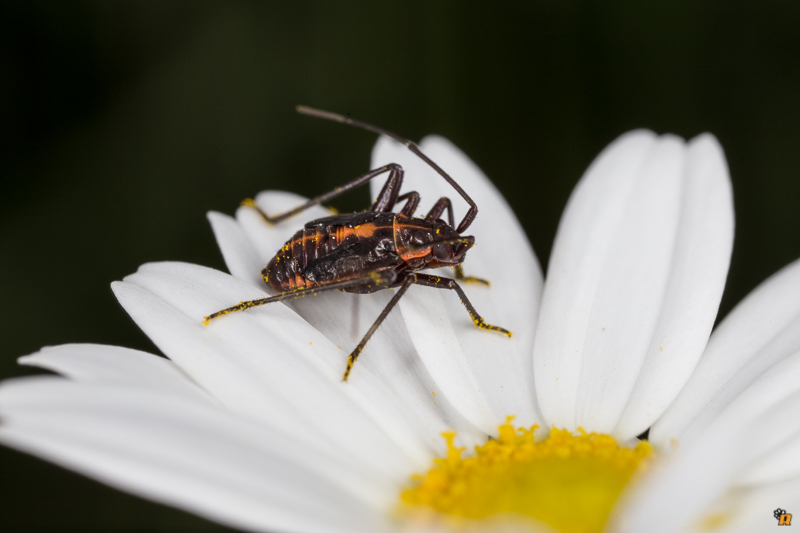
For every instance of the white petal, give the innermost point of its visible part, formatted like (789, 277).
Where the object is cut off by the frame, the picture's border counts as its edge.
(781, 464)
(390, 358)
(770, 388)
(275, 358)
(717, 449)
(203, 359)
(756, 327)
(581, 246)
(696, 280)
(485, 375)
(435, 339)
(607, 280)
(630, 290)
(240, 256)
(677, 493)
(762, 383)
(96, 363)
(163, 447)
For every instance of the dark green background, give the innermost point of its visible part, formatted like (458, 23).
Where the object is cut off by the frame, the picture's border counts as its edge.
(122, 123)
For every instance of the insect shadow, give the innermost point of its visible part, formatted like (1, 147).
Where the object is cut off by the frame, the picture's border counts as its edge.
(373, 250)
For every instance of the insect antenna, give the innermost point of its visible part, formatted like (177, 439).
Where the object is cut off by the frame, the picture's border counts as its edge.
(473, 208)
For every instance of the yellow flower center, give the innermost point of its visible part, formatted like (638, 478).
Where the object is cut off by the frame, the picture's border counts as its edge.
(568, 481)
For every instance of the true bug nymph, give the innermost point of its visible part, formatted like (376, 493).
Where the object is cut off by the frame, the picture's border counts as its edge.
(373, 250)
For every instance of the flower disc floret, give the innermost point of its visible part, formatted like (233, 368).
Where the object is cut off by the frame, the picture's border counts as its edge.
(568, 481)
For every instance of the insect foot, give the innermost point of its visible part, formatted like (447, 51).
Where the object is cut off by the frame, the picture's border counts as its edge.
(459, 275)
(479, 323)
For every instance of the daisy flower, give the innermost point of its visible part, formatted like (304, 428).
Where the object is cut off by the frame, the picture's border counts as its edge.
(247, 422)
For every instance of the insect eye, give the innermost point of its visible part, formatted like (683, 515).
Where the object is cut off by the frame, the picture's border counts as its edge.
(440, 252)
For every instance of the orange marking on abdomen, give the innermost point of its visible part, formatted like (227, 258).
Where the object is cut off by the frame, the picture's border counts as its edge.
(343, 232)
(363, 231)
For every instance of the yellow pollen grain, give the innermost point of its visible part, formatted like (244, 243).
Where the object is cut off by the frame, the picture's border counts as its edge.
(568, 481)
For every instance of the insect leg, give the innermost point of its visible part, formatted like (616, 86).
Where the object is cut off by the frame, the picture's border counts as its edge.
(439, 207)
(388, 196)
(376, 279)
(460, 276)
(392, 187)
(447, 283)
(411, 204)
(351, 360)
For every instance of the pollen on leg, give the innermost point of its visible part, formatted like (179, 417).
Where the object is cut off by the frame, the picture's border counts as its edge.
(479, 323)
(568, 481)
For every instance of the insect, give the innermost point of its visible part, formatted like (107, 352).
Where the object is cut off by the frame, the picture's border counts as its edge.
(372, 250)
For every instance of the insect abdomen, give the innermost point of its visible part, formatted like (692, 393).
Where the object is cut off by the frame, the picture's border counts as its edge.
(285, 271)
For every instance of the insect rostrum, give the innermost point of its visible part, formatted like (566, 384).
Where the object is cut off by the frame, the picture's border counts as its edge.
(373, 250)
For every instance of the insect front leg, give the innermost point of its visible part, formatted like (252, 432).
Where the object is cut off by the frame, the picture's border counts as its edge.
(447, 283)
(459, 274)
(388, 196)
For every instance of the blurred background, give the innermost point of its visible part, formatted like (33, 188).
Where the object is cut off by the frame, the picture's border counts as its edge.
(122, 123)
